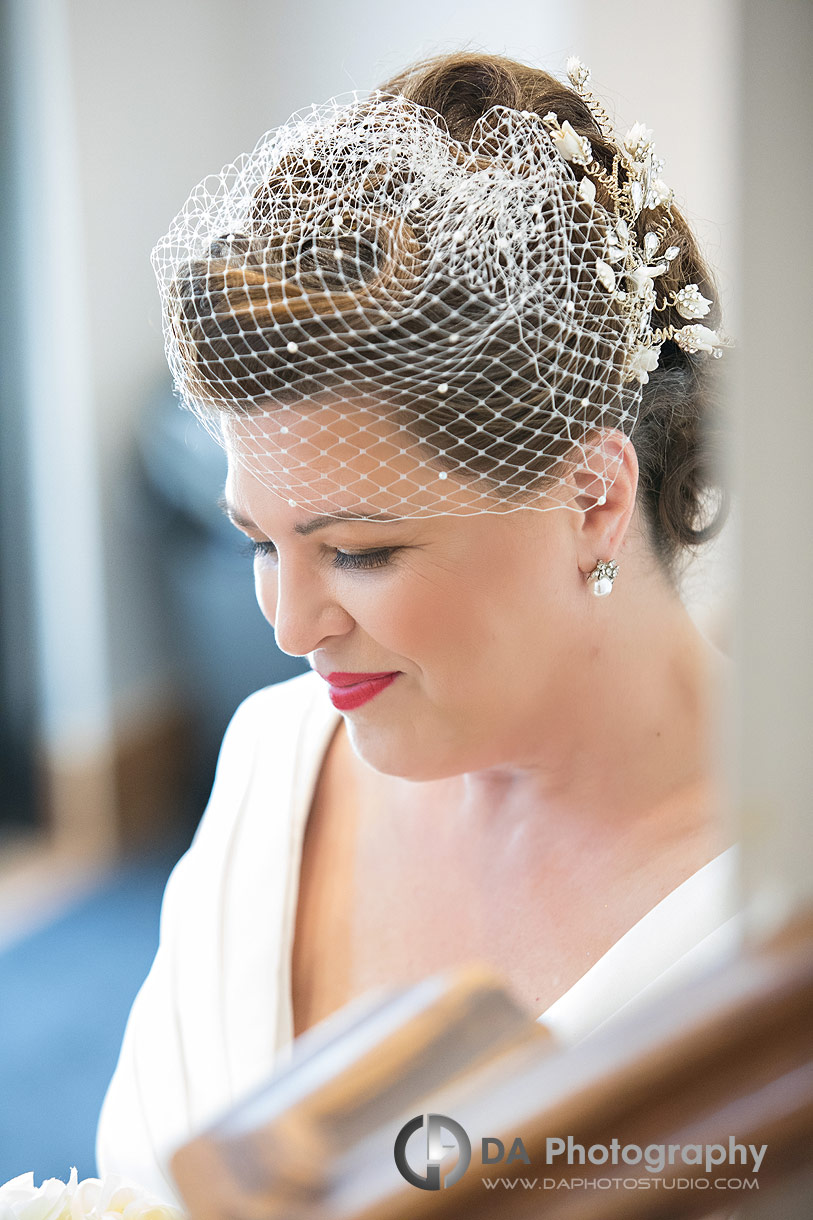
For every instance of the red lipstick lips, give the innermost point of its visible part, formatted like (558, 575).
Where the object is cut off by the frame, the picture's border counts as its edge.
(348, 691)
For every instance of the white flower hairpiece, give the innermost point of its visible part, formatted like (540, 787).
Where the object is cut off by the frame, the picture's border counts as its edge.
(629, 268)
(569, 144)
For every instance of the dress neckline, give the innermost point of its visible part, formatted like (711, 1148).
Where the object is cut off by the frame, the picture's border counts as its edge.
(659, 947)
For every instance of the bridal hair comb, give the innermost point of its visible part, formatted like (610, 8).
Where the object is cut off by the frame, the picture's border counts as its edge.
(629, 270)
(376, 317)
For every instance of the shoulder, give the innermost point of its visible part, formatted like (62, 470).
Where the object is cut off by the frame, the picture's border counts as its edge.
(283, 702)
(204, 1018)
(248, 811)
(269, 719)
(272, 742)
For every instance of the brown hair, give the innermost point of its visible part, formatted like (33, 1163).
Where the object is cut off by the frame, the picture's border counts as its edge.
(679, 423)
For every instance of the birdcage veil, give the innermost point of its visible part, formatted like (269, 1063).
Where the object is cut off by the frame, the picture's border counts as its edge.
(369, 312)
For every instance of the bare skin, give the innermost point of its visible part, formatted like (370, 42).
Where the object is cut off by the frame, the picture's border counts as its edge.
(542, 771)
(397, 883)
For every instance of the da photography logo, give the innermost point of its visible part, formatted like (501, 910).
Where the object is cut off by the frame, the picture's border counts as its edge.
(436, 1148)
(422, 1166)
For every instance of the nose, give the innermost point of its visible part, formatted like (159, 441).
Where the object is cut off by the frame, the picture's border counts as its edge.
(297, 604)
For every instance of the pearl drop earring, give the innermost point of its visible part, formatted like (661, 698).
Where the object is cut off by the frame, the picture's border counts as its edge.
(602, 576)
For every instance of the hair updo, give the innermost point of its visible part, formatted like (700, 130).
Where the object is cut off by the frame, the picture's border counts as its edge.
(678, 427)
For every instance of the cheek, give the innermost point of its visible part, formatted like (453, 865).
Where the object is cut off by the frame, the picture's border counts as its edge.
(508, 628)
(409, 613)
(446, 625)
(418, 627)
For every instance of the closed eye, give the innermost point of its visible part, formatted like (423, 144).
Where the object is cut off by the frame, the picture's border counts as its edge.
(343, 560)
(360, 560)
(253, 548)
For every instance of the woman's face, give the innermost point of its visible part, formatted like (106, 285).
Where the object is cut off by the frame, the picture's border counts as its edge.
(482, 617)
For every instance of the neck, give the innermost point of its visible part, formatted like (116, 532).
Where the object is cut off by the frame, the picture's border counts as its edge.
(634, 732)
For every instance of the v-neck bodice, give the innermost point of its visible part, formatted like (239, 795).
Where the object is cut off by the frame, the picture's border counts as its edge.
(214, 1016)
(690, 924)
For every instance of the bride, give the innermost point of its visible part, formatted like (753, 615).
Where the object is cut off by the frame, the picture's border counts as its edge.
(456, 339)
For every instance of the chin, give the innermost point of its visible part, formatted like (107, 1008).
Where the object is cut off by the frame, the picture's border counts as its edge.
(402, 755)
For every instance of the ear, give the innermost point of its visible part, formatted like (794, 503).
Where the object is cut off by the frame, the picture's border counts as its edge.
(606, 486)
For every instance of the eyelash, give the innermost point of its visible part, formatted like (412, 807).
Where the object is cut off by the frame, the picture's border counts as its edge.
(353, 561)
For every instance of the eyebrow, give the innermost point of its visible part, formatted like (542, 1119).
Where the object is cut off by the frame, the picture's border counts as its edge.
(307, 527)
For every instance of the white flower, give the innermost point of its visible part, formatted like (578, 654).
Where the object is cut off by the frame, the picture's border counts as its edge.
(587, 190)
(90, 1199)
(644, 361)
(641, 283)
(571, 146)
(658, 194)
(577, 73)
(605, 274)
(21, 1200)
(643, 276)
(694, 339)
(638, 141)
(690, 302)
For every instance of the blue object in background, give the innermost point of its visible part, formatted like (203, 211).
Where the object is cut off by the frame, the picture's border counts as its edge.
(65, 993)
(66, 989)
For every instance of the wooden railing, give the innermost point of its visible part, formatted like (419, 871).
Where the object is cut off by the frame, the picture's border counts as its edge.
(729, 1057)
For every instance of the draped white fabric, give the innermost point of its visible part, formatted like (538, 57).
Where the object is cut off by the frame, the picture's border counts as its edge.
(214, 1015)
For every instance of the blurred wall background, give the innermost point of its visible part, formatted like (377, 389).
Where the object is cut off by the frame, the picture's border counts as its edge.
(115, 111)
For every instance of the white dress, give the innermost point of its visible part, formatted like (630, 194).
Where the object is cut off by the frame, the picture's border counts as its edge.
(214, 1015)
